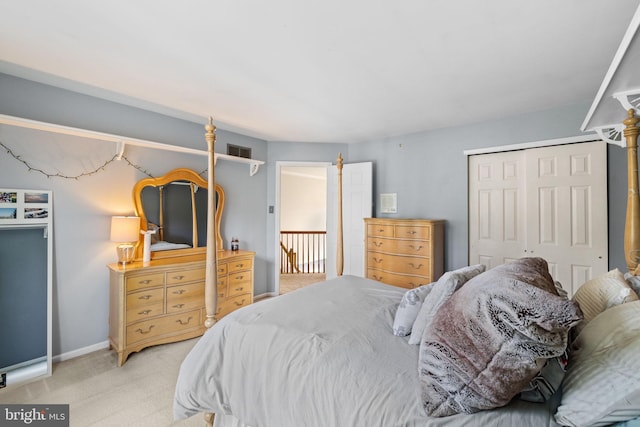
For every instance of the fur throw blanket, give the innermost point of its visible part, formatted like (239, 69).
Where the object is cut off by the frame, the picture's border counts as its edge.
(492, 337)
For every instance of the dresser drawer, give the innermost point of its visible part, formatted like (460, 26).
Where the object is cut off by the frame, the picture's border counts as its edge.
(185, 297)
(242, 264)
(239, 278)
(380, 230)
(146, 281)
(397, 263)
(222, 269)
(405, 247)
(184, 276)
(145, 297)
(222, 287)
(232, 304)
(144, 312)
(152, 328)
(402, 280)
(413, 232)
(240, 287)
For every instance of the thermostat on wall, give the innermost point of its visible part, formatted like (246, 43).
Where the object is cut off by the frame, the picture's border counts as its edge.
(389, 202)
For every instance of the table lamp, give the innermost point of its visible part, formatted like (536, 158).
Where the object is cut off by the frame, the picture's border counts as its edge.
(125, 231)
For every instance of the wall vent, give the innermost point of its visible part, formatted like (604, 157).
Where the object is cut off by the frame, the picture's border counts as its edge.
(239, 151)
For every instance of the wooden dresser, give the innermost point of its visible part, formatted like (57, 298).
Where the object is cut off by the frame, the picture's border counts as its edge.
(163, 301)
(404, 252)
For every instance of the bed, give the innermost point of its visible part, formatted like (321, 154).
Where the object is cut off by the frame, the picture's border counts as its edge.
(503, 347)
(473, 348)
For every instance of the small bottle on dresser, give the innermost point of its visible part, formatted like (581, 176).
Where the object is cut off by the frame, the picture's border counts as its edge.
(235, 244)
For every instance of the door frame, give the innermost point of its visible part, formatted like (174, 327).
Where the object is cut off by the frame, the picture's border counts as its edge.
(278, 198)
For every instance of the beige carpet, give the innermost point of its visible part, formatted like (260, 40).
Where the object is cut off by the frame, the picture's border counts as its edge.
(292, 282)
(140, 393)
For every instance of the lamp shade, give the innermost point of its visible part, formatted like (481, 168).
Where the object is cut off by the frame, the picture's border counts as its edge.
(125, 229)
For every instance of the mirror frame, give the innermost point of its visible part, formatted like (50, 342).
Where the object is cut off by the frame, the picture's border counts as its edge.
(180, 174)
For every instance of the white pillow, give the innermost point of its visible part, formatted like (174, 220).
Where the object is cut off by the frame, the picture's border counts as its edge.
(408, 309)
(442, 290)
(601, 293)
(602, 384)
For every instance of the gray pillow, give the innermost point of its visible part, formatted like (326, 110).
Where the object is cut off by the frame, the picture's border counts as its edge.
(408, 309)
(442, 291)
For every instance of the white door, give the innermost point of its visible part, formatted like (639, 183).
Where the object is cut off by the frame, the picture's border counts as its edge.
(567, 215)
(357, 182)
(549, 202)
(496, 208)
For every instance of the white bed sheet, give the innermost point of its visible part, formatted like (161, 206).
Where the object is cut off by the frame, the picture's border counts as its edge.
(321, 356)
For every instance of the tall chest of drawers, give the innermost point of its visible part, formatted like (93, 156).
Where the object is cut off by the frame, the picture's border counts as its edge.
(404, 252)
(163, 301)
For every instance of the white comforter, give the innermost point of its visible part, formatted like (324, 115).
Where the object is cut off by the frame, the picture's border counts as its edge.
(321, 356)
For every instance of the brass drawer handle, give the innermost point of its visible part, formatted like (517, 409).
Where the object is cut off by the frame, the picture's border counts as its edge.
(179, 292)
(143, 312)
(178, 306)
(412, 265)
(381, 230)
(417, 249)
(145, 282)
(412, 232)
(240, 277)
(145, 332)
(377, 244)
(145, 297)
(239, 304)
(184, 323)
(240, 288)
(178, 277)
(221, 270)
(378, 278)
(241, 265)
(221, 294)
(378, 260)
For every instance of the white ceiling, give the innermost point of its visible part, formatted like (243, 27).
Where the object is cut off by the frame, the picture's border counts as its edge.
(320, 70)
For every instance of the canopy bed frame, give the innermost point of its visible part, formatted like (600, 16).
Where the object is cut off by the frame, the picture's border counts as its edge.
(603, 117)
(612, 117)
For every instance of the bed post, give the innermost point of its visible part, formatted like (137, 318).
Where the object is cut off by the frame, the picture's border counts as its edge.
(211, 267)
(632, 224)
(211, 262)
(340, 250)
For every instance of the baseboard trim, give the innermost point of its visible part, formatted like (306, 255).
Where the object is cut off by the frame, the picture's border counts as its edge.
(265, 295)
(80, 352)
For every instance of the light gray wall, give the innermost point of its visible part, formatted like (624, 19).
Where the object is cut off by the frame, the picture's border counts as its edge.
(427, 170)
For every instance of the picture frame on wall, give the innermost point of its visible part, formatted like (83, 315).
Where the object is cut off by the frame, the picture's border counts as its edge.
(24, 206)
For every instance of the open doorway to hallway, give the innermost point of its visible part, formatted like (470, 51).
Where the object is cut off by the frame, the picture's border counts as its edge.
(302, 225)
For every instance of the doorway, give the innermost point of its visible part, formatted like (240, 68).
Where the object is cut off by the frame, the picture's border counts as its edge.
(301, 209)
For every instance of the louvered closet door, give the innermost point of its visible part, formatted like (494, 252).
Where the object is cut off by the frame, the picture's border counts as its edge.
(549, 202)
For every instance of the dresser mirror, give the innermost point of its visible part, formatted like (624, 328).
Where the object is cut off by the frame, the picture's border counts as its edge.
(175, 205)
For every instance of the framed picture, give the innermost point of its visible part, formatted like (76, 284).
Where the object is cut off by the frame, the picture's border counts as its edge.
(24, 207)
